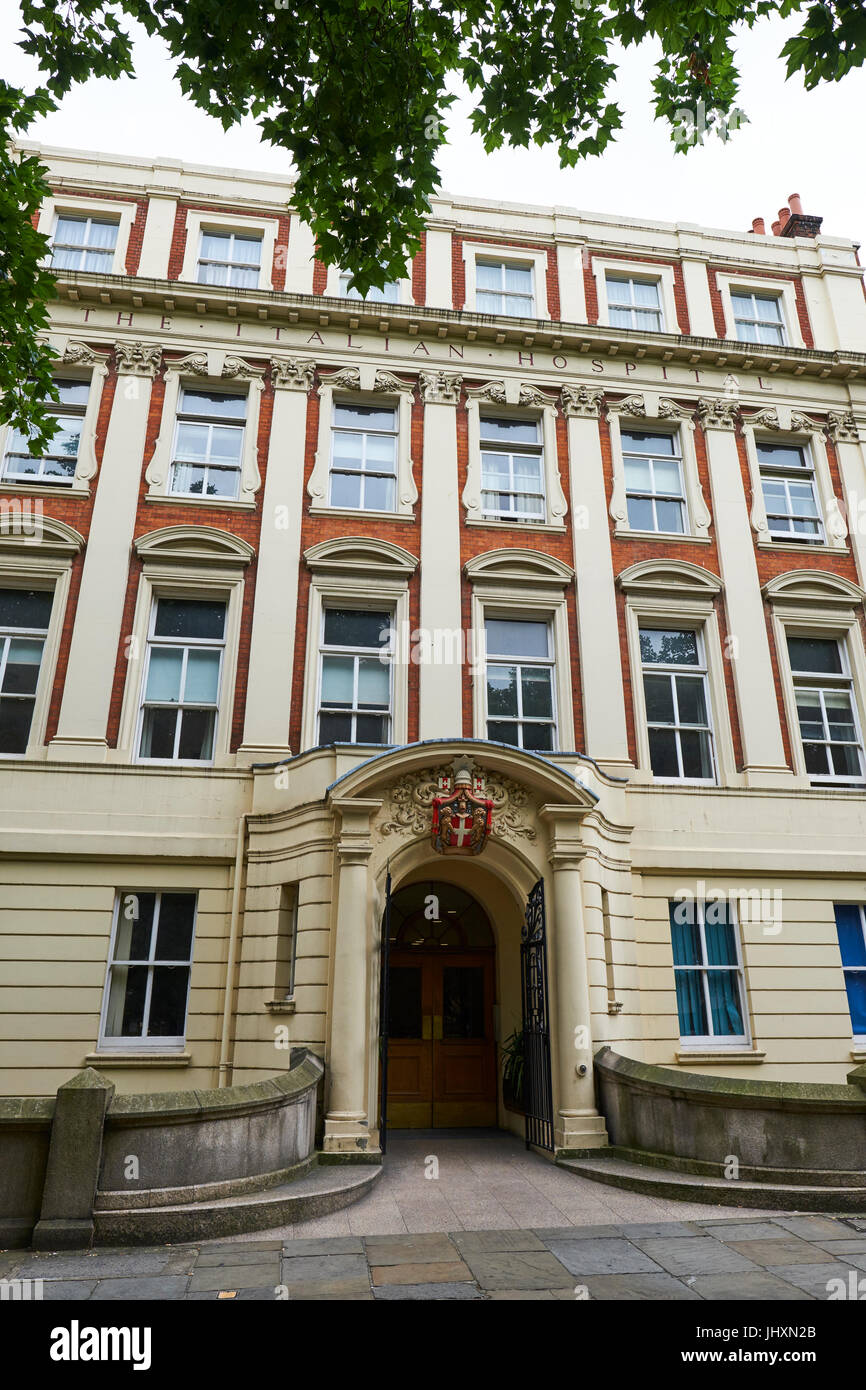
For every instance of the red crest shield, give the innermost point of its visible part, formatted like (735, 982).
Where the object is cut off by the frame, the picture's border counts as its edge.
(461, 823)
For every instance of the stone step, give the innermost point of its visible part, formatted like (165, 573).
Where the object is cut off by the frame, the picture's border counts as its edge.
(325, 1189)
(693, 1187)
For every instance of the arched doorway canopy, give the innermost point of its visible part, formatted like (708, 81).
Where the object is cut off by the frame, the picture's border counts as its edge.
(431, 915)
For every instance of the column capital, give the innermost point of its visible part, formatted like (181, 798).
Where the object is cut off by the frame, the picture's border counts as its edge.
(842, 427)
(564, 826)
(292, 374)
(138, 359)
(581, 402)
(440, 387)
(355, 844)
(716, 413)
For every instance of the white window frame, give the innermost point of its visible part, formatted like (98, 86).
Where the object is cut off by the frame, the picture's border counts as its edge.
(229, 263)
(602, 266)
(185, 644)
(779, 425)
(523, 256)
(357, 654)
(173, 575)
(754, 284)
(45, 565)
(334, 290)
(48, 481)
(182, 417)
(92, 371)
(756, 320)
(345, 286)
(668, 594)
(676, 456)
(651, 412)
(198, 220)
(512, 450)
(102, 208)
(852, 969)
(786, 475)
(711, 1041)
(515, 399)
(144, 1044)
(215, 371)
(363, 473)
(549, 662)
(358, 572)
(364, 385)
(846, 680)
(631, 281)
(13, 634)
(701, 668)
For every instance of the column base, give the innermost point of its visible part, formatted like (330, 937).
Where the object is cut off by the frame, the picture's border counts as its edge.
(580, 1129)
(78, 750)
(770, 777)
(346, 1134)
(250, 753)
(63, 1234)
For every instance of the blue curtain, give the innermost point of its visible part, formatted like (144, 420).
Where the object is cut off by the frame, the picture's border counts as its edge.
(690, 1004)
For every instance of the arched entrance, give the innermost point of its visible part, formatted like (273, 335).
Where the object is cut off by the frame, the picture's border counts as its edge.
(442, 980)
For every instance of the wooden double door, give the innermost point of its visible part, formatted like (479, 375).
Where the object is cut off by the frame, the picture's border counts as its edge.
(441, 1050)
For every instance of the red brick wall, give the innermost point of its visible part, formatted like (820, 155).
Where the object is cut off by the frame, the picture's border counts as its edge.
(591, 291)
(178, 237)
(419, 273)
(458, 269)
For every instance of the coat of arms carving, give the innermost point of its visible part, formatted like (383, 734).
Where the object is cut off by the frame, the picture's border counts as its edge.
(462, 821)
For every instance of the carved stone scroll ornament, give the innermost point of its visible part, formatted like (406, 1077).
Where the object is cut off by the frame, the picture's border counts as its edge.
(408, 806)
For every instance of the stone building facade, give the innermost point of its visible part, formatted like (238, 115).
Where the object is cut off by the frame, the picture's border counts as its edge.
(577, 510)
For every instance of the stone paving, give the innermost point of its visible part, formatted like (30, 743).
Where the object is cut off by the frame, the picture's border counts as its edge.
(490, 1222)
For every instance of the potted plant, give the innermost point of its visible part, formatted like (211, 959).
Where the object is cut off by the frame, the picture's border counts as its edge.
(512, 1071)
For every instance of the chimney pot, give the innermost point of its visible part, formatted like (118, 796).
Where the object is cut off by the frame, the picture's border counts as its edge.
(795, 205)
(784, 214)
(777, 229)
(758, 226)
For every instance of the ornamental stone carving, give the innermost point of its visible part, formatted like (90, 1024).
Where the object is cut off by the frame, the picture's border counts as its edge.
(348, 379)
(440, 387)
(80, 355)
(669, 410)
(408, 804)
(717, 414)
(767, 419)
(292, 374)
(138, 359)
(390, 384)
(842, 427)
(239, 370)
(582, 402)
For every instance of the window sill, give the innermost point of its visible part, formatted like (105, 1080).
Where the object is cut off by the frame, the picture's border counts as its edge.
(858, 1051)
(532, 527)
(797, 548)
(624, 533)
(281, 1006)
(137, 1059)
(226, 503)
(734, 1056)
(43, 489)
(362, 513)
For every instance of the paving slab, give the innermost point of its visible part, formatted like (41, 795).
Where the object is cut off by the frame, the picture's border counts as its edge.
(323, 1245)
(108, 1264)
(742, 1230)
(811, 1227)
(415, 1293)
(452, 1272)
(409, 1249)
(67, 1290)
(813, 1278)
(314, 1269)
(485, 1242)
(238, 1255)
(334, 1290)
(791, 1251)
(753, 1286)
(639, 1287)
(602, 1256)
(695, 1255)
(646, 1230)
(256, 1276)
(548, 1233)
(168, 1287)
(512, 1295)
(518, 1269)
(855, 1246)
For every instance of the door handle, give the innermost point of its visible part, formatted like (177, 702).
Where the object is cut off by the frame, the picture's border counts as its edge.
(427, 1027)
(437, 1026)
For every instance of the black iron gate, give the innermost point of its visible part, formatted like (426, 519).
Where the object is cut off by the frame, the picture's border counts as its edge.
(384, 1000)
(537, 1083)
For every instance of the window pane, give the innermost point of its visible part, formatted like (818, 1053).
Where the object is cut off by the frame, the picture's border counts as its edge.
(371, 417)
(215, 404)
(503, 733)
(667, 477)
(725, 1004)
(373, 683)
(846, 760)
(72, 392)
(102, 234)
(192, 442)
(345, 490)
(163, 674)
(618, 291)
(488, 275)
(691, 1007)
(856, 988)
(134, 924)
(248, 249)
(22, 667)
(670, 517)
(852, 942)
(538, 737)
(26, 608)
(379, 494)
(781, 455)
(196, 734)
(168, 1001)
(71, 230)
(658, 693)
(663, 753)
(370, 728)
(638, 477)
(691, 700)
(15, 717)
(349, 627)
(187, 479)
(697, 759)
(518, 279)
(641, 516)
(620, 318)
(226, 444)
(335, 728)
(348, 449)
(182, 617)
(646, 294)
(668, 647)
(174, 932)
(125, 1013)
(720, 934)
(202, 677)
(516, 637)
(381, 453)
(509, 431)
(501, 690)
(157, 734)
(537, 694)
(215, 246)
(685, 933)
(814, 654)
(640, 442)
(487, 303)
(338, 680)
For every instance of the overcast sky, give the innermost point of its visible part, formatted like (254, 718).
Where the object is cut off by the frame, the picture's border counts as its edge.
(796, 141)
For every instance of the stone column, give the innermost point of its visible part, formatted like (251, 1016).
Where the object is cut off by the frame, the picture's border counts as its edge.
(578, 1124)
(845, 433)
(605, 731)
(347, 1122)
(272, 641)
(763, 750)
(441, 675)
(83, 723)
